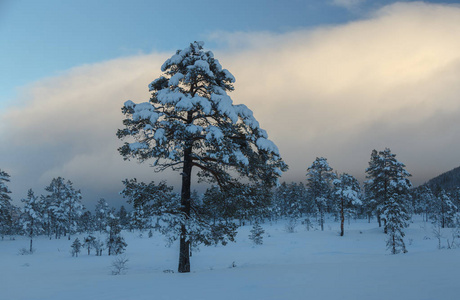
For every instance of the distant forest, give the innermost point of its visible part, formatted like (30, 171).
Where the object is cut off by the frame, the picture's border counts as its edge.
(448, 181)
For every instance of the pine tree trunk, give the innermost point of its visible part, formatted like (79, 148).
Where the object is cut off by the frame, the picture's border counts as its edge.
(322, 220)
(394, 244)
(342, 218)
(184, 252)
(31, 234)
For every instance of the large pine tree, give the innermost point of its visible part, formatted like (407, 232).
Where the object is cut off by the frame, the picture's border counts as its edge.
(191, 122)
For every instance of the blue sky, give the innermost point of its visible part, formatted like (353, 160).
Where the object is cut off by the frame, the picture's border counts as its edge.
(331, 78)
(42, 38)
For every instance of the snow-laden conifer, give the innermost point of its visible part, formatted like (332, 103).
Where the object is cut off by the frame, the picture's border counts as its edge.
(123, 216)
(388, 185)
(32, 217)
(290, 200)
(256, 235)
(347, 193)
(115, 242)
(387, 177)
(191, 122)
(397, 219)
(5, 204)
(444, 211)
(63, 207)
(89, 242)
(424, 201)
(76, 247)
(4, 190)
(101, 212)
(319, 181)
(72, 208)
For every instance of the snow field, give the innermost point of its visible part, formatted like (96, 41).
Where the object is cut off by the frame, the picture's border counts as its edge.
(300, 265)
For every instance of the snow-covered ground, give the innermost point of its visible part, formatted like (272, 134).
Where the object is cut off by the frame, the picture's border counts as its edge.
(300, 265)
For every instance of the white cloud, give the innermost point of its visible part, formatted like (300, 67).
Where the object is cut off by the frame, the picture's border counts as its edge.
(388, 81)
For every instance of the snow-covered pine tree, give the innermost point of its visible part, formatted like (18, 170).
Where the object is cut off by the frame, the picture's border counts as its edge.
(123, 216)
(319, 181)
(190, 122)
(280, 198)
(99, 247)
(140, 219)
(347, 193)
(397, 218)
(86, 222)
(63, 207)
(214, 205)
(101, 212)
(32, 217)
(5, 203)
(76, 247)
(250, 201)
(115, 242)
(256, 235)
(4, 190)
(444, 211)
(71, 207)
(387, 177)
(148, 200)
(290, 200)
(89, 243)
(423, 200)
(56, 218)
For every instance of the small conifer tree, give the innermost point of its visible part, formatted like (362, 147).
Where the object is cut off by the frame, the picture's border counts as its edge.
(99, 247)
(76, 247)
(397, 219)
(256, 234)
(115, 242)
(89, 243)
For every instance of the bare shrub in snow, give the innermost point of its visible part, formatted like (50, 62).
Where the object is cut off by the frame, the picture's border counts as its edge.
(453, 242)
(119, 265)
(24, 251)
